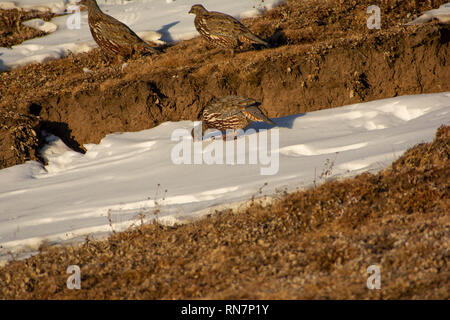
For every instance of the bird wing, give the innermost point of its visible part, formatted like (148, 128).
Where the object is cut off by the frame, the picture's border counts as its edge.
(118, 31)
(121, 32)
(225, 107)
(221, 24)
(236, 104)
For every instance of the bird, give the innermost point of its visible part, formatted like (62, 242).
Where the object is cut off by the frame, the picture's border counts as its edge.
(115, 38)
(231, 113)
(222, 30)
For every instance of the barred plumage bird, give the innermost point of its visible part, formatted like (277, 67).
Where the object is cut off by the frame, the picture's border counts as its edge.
(232, 113)
(114, 37)
(222, 30)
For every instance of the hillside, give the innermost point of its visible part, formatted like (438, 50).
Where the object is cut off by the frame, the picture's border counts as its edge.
(315, 244)
(85, 151)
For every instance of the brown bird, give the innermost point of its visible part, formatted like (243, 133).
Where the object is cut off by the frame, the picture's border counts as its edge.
(232, 113)
(222, 30)
(114, 37)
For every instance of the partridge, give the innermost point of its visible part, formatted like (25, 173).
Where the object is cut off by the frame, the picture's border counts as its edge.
(232, 113)
(222, 30)
(114, 37)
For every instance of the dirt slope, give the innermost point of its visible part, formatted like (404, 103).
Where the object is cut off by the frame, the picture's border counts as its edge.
(312, 244)
(323, 56)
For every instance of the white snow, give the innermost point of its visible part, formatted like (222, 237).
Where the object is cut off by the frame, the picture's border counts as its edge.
(133, 176)
(41, 25)
(130, 176)
(442, 14)
(52, 6)
(153, 20)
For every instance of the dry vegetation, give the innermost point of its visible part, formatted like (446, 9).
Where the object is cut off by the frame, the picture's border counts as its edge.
(308, 245)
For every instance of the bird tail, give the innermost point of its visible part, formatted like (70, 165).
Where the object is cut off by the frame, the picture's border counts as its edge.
(252, 37)
(255, 114)
(145, 49)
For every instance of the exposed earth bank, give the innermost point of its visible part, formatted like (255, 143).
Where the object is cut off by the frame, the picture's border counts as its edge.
(323, 56)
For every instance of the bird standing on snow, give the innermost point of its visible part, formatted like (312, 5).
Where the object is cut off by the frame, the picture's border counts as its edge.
(232, 113)
(114, 37)
(222, 30)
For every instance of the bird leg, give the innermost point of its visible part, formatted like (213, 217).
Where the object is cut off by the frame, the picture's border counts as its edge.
(228, 134)
(214, 52)
(118, 59)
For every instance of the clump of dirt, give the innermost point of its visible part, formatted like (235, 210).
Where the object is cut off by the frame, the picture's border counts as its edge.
(323, 56)
(13, 32)
(17, 137)
(315, 244)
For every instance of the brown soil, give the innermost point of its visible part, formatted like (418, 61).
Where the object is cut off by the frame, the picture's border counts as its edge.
(13, 32)
(323, 56)
(17, 138)
(315, 244)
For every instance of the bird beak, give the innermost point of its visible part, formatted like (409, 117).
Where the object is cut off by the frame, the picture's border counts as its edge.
(190, 11)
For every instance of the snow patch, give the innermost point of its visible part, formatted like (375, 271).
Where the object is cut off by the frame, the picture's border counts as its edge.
(304, 150)
(130, 178)
(39, 5)
(41, 25)
(158, 21)
(442, 14)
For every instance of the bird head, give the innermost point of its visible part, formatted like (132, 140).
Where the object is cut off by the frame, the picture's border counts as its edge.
(198, 9)
(87, 3)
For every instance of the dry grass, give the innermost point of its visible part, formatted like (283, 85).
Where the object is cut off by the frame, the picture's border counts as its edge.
(308, 245)
(312, 244)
